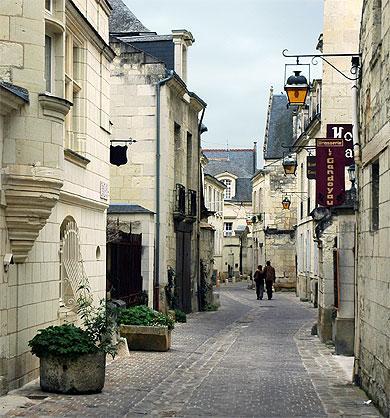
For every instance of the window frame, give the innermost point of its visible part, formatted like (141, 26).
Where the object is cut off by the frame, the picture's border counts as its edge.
(227, 232)
(50, 36)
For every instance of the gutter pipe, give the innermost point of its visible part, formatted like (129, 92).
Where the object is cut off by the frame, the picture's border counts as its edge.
(200, 131)
(156, 289)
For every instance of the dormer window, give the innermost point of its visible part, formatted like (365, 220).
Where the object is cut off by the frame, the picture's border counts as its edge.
(228, 190)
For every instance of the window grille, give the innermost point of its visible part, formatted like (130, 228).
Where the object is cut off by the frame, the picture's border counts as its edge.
(74, 280)
(180, 199)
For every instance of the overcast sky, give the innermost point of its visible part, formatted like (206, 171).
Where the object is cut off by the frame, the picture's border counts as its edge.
(236, 56)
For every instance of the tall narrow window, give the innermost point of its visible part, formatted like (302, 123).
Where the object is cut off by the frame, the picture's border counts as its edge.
(73, 80)
(228, 190)
(49, 5)
(375, 195)
(48, 62)
(189, 160)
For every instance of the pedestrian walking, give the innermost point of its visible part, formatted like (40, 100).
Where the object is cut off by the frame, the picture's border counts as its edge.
(269, 276)
(259, 280)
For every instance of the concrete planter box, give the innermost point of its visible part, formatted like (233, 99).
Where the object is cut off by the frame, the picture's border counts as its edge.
(84, 374)
(146, 338)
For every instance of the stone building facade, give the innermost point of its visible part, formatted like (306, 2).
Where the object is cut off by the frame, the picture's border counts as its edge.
(152, 105)
(372, 341)
(307, 124)
(54, 134)
(273, 226)
(335, 233)
(234, 168)
(213, 193)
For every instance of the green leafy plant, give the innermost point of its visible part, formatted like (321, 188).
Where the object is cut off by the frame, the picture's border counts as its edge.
(99, 322)
(65, 340)
(180, 316)
(211, 307)
(143, 315)
(68, 340)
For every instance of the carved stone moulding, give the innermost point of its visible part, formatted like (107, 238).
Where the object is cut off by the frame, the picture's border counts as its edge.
(30, 200)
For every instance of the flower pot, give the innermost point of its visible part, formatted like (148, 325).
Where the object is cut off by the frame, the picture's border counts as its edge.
(84, 374)
(146, 338)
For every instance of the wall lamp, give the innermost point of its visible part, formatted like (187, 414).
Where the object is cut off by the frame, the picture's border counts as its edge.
(297, 86)
(286, 202)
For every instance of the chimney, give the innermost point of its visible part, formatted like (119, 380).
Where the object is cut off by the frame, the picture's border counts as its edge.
(182, 39)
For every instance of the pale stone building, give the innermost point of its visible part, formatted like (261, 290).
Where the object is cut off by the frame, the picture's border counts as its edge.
(54, 136)
(234, 168)
(336, 232)
(307, 124)
(372, 340)
(213, 195)
(273, 226)
(152, 104)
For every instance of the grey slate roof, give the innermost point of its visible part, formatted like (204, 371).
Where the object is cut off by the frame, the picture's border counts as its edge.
(127, 208)
(16, 90)
(280, 128)
(123, 20)
(240, 162)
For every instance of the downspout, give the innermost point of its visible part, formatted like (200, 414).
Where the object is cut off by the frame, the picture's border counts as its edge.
(199, 208)
(156, 289)
(357, 158)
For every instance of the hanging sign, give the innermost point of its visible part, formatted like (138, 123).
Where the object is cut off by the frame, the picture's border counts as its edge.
(330, 181)
(342, 131)
(118, 155)
(311, 167)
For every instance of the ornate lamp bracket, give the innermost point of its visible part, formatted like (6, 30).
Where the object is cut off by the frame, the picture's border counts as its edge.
(355, 61)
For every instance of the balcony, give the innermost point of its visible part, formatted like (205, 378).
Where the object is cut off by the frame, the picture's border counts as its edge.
(179, 210)
(191, 203)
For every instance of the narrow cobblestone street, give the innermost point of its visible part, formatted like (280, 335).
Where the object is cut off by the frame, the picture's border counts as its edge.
(250, 358)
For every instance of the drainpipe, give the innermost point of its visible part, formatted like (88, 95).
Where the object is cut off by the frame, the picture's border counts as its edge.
(357, 158)
(158, 187)
(199, 208)
(355, 110)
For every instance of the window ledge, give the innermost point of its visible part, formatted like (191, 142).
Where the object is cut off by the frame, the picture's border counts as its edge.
(75, 158)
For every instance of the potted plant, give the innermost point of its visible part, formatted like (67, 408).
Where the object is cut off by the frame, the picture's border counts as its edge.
(72, 358)
(145, 328)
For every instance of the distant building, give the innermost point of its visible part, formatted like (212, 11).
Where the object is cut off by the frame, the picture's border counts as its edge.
(152, 104)
(234, 168)
(214, 195)
(274, 227)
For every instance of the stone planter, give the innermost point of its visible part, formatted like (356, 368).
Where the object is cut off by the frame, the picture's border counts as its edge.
(84, 374)
(146, 338)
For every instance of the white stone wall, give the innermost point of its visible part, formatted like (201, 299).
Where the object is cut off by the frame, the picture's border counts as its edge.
(34, 137)
(373, 262)
(133, 93)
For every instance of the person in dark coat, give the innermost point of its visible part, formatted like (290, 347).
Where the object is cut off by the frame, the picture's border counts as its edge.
(259, 280)
(269, 275)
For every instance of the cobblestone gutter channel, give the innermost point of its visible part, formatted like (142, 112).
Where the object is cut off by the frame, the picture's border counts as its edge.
(247, 359)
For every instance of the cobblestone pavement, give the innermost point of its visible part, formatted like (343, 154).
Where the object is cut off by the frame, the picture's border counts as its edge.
(250, 358)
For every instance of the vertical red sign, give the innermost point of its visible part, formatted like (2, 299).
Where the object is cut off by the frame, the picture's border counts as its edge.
(330, 181)
(342, 131)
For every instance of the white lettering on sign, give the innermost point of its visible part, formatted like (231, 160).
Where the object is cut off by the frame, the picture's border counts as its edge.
(104, 190)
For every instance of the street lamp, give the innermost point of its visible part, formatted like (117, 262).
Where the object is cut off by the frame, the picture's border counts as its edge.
(286, 202)
(289, 165)
(296, 88)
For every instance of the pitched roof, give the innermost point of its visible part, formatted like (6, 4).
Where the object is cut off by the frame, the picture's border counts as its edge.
(127, 208)
(123, 20)
(279, 127)
(240, 162)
